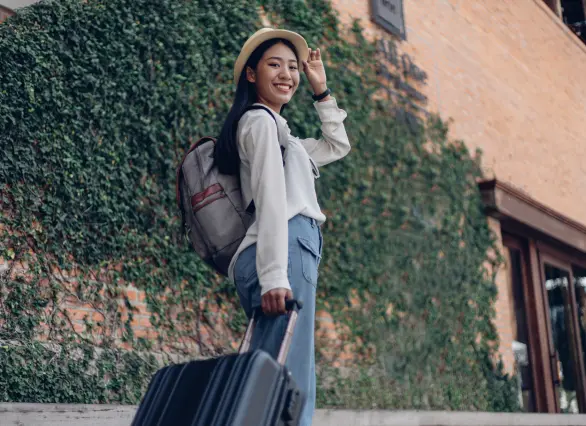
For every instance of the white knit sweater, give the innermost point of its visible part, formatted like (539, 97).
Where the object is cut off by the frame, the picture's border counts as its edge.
(280, 193)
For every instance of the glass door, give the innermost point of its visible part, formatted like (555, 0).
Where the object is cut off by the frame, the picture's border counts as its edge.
(564, 340)
(579, 285)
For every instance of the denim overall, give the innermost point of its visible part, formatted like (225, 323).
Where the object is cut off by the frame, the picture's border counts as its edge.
(305, 247)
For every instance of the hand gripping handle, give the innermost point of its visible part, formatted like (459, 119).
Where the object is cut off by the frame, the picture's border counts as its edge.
(292, 307)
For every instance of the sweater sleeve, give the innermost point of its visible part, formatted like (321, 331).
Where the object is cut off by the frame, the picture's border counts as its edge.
(334, 143)
(260, 143)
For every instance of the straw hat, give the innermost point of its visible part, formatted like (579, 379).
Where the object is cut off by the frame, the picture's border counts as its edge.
(263, 35)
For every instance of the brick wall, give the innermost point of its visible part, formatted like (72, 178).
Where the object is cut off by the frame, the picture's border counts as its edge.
(204, 339)
(5, 13)
(511, 76)
(505, 314)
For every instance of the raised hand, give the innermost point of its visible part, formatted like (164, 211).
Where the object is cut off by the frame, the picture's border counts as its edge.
(315, 71)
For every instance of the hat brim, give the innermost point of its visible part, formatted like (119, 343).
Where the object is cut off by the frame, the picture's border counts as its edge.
(260, 37)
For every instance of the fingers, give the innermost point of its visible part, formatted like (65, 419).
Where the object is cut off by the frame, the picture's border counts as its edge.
(280, 303)
(274, 305)
(273, 302)
(314, 55)
(268, 304)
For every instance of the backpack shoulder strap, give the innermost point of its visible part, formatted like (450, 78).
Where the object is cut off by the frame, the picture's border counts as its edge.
(251, 207)
(253, 107)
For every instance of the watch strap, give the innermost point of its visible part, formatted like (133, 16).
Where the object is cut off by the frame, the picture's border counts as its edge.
(321, 95)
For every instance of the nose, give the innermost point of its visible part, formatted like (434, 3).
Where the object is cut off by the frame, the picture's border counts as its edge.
(285, 74)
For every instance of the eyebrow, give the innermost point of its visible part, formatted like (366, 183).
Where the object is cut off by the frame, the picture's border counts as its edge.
(278, 57)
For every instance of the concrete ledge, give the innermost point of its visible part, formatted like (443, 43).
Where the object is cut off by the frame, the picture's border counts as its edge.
(442, 418)
(65, 415)
(121, 415)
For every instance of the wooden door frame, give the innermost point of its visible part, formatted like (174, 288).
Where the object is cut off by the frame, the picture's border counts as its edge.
(543, 392)
(559, 253)
(505, 202)
(541, 230)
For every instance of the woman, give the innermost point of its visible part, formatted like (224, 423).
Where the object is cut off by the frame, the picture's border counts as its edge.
(278, 259)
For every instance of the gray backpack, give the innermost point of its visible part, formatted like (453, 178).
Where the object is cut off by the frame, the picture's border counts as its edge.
(214, 217)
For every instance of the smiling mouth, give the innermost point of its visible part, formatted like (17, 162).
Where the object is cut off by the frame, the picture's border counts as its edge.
(285, 88)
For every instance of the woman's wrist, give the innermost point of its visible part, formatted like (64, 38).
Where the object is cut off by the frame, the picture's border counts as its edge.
(319, 90)
(322, 90)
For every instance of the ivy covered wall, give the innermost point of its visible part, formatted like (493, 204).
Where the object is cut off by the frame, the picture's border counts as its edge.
(98, 101)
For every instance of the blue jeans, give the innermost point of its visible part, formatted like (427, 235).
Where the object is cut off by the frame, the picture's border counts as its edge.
(305, 246)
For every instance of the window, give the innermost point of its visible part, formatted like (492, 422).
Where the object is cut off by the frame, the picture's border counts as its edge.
(573, 13)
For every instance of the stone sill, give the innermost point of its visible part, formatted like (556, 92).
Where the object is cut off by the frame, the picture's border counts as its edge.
(121, 415)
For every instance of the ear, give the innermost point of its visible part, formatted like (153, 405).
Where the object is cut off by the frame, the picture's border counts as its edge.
(250, 75)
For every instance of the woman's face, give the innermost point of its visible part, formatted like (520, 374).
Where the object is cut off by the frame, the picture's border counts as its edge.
(276, 77)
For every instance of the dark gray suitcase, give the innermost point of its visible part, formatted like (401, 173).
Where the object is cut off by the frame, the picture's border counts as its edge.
(244, 389)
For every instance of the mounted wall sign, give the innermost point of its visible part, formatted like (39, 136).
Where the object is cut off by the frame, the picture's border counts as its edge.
(389, 15)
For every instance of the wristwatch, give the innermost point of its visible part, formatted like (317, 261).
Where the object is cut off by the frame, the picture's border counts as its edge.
(321, 95)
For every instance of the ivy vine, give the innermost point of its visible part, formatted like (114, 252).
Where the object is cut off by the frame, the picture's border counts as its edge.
(98, 101)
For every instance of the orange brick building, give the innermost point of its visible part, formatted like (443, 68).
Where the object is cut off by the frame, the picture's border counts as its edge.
(511, 75)
(7, 7)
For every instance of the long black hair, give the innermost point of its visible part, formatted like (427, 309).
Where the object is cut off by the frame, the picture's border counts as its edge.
(226, 151)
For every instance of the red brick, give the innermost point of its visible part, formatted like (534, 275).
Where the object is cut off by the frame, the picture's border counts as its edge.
(141, 309)
(78, 327)
(97, 317)
(131, 295)
(78, 315)
(149, 334)
(141, 321)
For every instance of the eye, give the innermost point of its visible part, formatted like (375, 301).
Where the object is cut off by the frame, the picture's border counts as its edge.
(270, 65)
(293, 68)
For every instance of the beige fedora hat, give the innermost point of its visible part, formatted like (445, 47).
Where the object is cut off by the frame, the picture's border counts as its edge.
(260, 37)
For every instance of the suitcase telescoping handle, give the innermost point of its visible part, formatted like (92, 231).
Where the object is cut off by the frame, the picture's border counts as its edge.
(292, 307)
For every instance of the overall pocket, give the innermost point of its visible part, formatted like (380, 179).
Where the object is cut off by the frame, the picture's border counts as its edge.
(310, 258)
